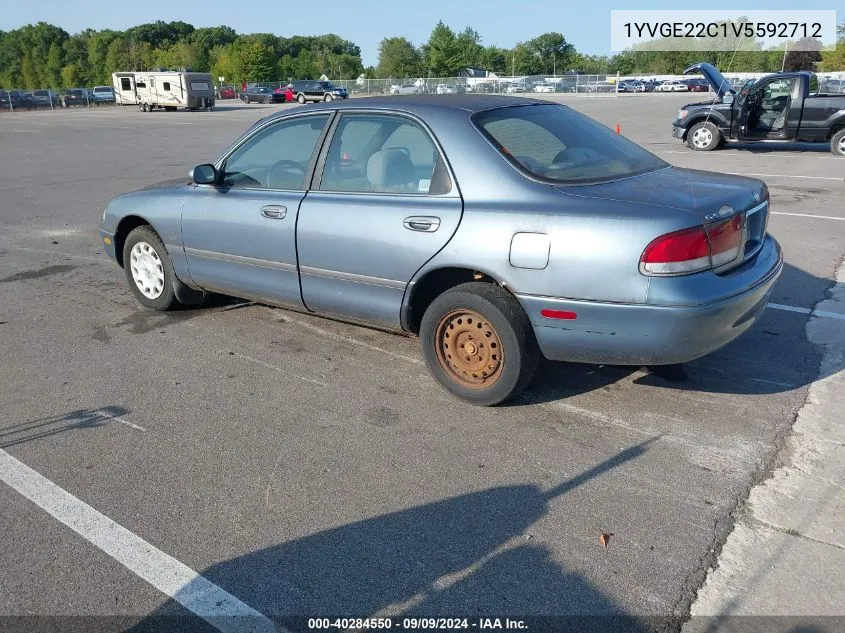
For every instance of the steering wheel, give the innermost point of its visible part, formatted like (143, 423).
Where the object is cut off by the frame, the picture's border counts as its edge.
(404, 150)
(286, 165)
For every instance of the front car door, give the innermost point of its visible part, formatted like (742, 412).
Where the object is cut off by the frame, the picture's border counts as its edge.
(382, 205)
(764, 111)
(240, 234)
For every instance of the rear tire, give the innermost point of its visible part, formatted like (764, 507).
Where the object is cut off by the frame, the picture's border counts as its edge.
(149, 270)
(300, 98)
(704, 137)
(487, 326)
(837, 143)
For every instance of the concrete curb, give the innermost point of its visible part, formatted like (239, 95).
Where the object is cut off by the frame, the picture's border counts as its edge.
(786, 554)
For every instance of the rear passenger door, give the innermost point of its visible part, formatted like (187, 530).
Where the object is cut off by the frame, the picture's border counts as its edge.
(382, 204)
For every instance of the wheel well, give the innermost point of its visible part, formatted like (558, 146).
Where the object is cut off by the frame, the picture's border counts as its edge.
(433, 284)
(124, 228)
(835, 128)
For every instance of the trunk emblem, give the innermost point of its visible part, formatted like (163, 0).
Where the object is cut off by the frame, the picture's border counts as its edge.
(721, 213)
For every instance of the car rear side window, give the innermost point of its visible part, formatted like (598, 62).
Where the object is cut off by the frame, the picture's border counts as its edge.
(383, 154)
(561, 146)
(277, 157)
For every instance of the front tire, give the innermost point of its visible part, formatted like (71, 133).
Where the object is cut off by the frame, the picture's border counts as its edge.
(328, 98)
(704, 137)
(300, 98)
(149, 270)
(478, 343)
(837, 143)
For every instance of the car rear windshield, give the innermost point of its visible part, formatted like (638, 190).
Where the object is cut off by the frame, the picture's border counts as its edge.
(558, 145)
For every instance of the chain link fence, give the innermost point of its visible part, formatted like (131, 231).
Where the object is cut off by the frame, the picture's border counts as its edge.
(535, 85)
(51, 99)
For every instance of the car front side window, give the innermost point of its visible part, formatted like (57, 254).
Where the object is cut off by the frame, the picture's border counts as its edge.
(276, 157)
(383, 154)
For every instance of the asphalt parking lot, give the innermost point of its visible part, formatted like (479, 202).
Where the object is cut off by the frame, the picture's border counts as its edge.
(307, 467)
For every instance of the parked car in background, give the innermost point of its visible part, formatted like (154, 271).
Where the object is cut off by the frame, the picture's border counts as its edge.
(671, 263)
(103, 94)
(16, 99)
(309, 90)
(781, 108)
(544, 87)
(46, 99)
(445, 89)
(405, 89)
(227, 92)
(697, 85)
(76, 97)
(260, 94)
(673, 85)
(515, 88)
(286, 92)
(630, 85)
(832, 86)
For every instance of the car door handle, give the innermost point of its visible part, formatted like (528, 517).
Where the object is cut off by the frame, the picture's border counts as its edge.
(423, 223)
(274, 211)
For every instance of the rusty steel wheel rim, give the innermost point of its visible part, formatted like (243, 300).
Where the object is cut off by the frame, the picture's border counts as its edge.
(469, 349)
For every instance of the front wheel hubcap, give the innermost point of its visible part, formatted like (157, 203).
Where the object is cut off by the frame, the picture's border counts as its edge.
(147, 270)
(841, 146)
(702, 137)
(469, 349)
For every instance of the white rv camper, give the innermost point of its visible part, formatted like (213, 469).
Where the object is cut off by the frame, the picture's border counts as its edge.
(167, 89)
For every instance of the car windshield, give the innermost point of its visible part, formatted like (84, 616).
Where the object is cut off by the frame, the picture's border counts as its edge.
(561, 146)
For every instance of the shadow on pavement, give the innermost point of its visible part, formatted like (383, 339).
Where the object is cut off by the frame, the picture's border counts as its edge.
(468, 556)
(45, 427)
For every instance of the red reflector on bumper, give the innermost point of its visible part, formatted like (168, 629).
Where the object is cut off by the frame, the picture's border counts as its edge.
(558, 314)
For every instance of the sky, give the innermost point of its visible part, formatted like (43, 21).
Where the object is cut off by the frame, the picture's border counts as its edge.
(367, 22)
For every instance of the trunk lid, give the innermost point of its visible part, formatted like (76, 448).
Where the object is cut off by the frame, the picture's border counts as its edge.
(711, 196)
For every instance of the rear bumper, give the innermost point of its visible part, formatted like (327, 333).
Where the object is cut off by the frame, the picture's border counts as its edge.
(642, 334)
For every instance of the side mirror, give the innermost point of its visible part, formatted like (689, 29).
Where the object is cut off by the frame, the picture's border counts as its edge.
(204, 174)
(728, 98)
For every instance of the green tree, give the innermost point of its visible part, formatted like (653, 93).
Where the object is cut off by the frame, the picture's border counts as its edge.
(118, 58)
(834, 60)
(398, 57)
(440, 53)
(805, 59)
(70, 76)
(55, 61)
(259, 63)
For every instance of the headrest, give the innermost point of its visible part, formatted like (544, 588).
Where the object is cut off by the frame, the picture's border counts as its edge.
(390, 168)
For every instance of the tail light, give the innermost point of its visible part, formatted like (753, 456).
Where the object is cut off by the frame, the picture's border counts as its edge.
(694, 250)
(726, 241)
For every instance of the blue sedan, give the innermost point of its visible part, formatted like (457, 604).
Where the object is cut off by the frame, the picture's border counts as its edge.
(498, 229)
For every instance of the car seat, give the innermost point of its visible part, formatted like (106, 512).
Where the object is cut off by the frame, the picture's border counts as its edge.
(391, 171)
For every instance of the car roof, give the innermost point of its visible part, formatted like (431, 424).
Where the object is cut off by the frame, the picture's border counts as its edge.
(422, 104)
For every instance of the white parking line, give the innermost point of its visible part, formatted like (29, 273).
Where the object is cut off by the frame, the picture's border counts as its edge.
(806, 215)
(814, 312)
(200, 596)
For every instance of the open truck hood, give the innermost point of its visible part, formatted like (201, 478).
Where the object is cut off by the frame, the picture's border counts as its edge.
(719, 84)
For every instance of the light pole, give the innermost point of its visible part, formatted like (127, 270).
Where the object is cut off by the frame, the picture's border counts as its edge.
(513, 63)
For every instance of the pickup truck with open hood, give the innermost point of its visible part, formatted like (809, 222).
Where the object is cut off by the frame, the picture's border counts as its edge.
(777, 108)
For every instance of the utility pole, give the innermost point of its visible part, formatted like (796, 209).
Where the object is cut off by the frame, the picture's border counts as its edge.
(783, 63)
(513, 63)
(554, 65)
